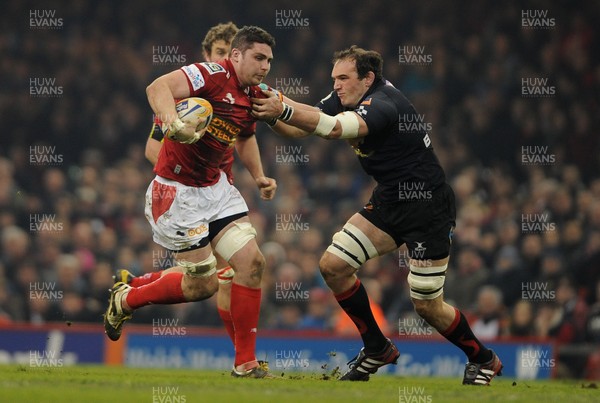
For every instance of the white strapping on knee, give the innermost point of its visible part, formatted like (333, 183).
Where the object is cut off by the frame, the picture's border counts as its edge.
(352, 246)
(234, 239)
(225, 275)
(426, 282)
(205, 268)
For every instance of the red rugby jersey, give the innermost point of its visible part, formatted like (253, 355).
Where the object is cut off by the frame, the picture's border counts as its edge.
(199, 164)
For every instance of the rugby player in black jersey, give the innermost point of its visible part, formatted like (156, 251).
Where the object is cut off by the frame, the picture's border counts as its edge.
(412, 204)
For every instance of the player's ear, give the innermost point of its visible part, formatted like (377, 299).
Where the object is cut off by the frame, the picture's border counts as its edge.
(369, 78)
(235, 55)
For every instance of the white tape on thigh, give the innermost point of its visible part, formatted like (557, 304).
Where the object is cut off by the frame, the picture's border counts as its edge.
(234, 239)
(225, 275)
(352, 246)
(426, 282)
(205, 268)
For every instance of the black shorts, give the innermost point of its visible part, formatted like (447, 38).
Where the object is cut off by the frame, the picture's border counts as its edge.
(425, 225)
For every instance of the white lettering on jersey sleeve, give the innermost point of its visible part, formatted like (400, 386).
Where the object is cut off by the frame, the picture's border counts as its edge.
(213, 68)
(194, 75)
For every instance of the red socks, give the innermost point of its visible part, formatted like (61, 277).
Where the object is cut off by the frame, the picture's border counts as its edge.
(165, 290)
(241, 322)
(245, 309)
(145, 279)
(226, 318)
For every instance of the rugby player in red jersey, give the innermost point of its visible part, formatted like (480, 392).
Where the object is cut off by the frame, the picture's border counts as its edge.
(191, 205)
(215, 47)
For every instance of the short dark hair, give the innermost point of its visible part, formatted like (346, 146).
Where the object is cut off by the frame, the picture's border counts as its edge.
(366, 60)
(249, 35)
(224, 32)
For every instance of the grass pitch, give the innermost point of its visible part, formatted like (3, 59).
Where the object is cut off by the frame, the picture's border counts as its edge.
(20, 383)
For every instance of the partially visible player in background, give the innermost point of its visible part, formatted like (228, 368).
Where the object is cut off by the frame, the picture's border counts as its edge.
(192, 205)
(215, 47)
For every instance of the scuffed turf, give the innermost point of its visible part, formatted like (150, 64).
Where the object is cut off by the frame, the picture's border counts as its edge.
(19, 383)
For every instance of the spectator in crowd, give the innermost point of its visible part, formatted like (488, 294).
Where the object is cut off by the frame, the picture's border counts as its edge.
(318, 312)
(521, 322)
(593, 319)
(488, 318)
(573, 312)
(466, 277)
(509, 275)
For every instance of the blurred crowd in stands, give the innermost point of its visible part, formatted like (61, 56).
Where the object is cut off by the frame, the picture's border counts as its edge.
(526, 251)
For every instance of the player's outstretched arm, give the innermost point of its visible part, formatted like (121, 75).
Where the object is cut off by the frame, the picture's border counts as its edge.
(345, 125)
(290, 131)
(276, 125)
(298, 105)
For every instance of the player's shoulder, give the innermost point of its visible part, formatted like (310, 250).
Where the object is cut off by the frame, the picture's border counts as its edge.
(330, 104)
(215, 67)
(385, 94)
(386, 90)
(206, 69)
(330, 99)
(201, 74)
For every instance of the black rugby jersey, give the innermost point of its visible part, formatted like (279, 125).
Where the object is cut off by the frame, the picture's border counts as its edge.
(397, 152)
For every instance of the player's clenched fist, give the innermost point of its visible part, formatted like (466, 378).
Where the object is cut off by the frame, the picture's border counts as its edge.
(182, 132)
(267, 187)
